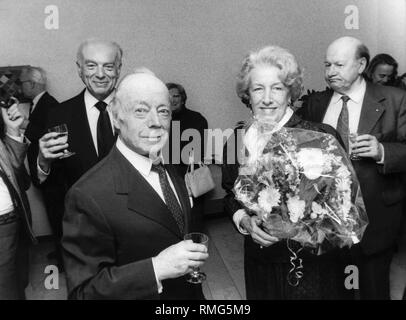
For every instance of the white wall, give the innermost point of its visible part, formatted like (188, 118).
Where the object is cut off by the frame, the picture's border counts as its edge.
(198, 43)
(195, 42)
(392, 30)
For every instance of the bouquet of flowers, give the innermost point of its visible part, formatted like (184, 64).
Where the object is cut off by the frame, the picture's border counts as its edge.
(302, 186)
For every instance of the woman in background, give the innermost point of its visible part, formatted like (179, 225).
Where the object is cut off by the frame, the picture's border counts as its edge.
(383, 70)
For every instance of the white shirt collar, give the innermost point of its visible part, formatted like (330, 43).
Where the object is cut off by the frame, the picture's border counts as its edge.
(288, 114)
(36, 98)
(356, 94)
(90, 100)
(139, 162)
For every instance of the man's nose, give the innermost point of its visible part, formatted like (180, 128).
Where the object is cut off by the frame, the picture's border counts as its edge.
(153, 119)
(100, 72)
(331, 71)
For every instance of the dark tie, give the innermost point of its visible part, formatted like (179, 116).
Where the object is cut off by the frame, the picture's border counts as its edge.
(343, 124)
(105, 136)
(169, 196)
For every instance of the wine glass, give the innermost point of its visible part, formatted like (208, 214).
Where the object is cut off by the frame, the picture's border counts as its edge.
(62, 129)
(353, 139)
(196, 276)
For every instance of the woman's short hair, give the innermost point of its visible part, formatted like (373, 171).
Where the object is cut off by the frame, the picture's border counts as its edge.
(379, 59)
(290, 72)
(182, 92)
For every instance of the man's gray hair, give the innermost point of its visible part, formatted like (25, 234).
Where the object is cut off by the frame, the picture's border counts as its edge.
(119, 50)
(35, 74)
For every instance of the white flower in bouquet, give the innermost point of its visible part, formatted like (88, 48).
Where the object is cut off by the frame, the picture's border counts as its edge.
(255, 143)
(268, 198)
(317, 210)
(311, 160)
(296, 208)
(343, 185)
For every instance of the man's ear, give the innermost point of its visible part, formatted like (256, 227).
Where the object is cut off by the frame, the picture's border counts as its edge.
(79, 69)
(119, 70)
(363, 65)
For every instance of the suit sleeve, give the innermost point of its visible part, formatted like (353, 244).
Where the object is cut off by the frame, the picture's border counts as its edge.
(90, 257)
(35, 130)
(395, 152)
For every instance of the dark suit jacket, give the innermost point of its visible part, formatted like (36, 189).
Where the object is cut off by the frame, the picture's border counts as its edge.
(73, 113)
(36, 128)
(383, 115)
(114, 224)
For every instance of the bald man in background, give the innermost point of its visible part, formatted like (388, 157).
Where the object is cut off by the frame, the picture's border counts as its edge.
(378, 115)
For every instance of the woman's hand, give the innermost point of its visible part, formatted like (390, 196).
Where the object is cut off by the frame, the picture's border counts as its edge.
(252, 225)
(13, 120)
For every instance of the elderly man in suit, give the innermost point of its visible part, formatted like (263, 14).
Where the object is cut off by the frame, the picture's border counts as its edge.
(88, 120)
(378, 115)
(125, 219)
(86, 115)
(15, 215)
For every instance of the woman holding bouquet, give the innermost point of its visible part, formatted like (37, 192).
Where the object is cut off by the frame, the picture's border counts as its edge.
(269, 81)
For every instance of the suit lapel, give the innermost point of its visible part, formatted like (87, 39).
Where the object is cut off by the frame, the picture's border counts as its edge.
(323, 101)
(371, 110)
(142, 198)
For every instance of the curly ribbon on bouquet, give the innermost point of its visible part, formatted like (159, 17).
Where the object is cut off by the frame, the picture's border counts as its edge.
(295, 273)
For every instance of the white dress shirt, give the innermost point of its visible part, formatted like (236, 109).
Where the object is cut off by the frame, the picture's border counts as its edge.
(6, 202)
(143, 165)
(240, 214)
(354, 107)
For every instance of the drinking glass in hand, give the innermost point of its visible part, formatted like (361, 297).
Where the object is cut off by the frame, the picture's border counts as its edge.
(62, 129)
(196, 276)
(352, 140)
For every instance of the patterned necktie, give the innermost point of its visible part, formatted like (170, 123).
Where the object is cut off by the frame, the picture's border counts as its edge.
(343, 124)
(105, 137)
(169, 196)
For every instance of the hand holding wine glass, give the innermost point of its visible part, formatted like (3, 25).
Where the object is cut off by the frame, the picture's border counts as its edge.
(53, 145)
(196, 276)
(179, 259)
(62, 131)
